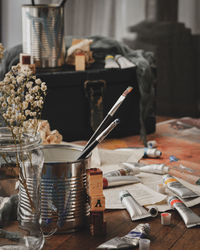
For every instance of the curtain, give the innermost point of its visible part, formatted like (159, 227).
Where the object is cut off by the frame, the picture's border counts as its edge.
(106, 17)
(94, 17)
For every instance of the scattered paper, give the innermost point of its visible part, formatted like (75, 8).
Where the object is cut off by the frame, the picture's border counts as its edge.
(119, 156)
(142, 194)
(151, 181)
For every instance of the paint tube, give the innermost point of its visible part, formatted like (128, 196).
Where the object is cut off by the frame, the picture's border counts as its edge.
(113, 181)
(178, 188)
(124, 62)
(151, 168)
(151, 144)
(110, 62)
(135, 210)
(129, 240)
(189, 217)
(152, 153)
(148, 152)
(123, 172)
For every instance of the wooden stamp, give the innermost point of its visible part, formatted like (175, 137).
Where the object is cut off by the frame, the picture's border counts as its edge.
(95, 182)
(26, 61)
(97, 203)
(80, 61)
(97, 224)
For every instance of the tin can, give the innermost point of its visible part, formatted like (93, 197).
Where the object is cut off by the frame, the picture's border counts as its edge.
(64, 203)
(43, 34)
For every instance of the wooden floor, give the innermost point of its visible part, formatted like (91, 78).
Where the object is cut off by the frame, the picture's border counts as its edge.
(175, 236)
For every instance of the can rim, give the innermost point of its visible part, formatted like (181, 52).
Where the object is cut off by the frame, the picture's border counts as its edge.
(73, 147)
(42, 6)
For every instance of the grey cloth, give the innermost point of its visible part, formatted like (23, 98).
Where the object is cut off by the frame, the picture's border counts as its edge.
(101, 47)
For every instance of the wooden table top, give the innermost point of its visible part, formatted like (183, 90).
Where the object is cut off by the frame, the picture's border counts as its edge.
(175, 236)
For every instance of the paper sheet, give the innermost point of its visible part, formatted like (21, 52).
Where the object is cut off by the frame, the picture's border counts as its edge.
(145, 192)
(140, 192)
(119, 156)
(111, 160)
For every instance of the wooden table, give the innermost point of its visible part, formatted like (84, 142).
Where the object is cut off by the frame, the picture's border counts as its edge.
(175, 236)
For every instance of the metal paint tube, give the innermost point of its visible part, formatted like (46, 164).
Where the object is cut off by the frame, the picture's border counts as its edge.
(110, 62)
(189, 217)
(151, 168)
(113, 181)
(123, 62)
(151, 144)
(178, 188)
(129, 240)
(135, 210)
(152, 153)
(123, 172)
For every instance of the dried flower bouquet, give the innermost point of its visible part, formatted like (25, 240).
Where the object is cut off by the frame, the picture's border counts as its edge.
(21, 102)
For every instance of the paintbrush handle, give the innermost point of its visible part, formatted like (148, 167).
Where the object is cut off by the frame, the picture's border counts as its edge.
(88, 150)
(100, 128)
(98, 139)
(109, 116)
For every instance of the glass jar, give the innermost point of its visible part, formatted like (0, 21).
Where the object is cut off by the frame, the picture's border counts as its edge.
(21, 163)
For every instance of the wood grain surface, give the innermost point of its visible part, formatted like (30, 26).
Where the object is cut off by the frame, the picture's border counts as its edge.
(175, 236)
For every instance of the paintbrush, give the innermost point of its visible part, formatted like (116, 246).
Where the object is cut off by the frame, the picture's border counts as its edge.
(110, 115)
(98, 139)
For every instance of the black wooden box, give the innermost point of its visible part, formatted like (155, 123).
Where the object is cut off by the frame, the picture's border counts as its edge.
(68, 109)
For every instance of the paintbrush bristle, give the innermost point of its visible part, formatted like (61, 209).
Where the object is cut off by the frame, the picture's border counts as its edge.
(127, 91)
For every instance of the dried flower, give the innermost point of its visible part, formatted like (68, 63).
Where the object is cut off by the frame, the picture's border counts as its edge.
(22, 100)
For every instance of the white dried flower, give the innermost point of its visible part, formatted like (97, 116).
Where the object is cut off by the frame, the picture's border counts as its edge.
(38, 81)
(9, 100)
(27, 112)
(22, 98)
(6, 80)
(15, 131)
(29, 85)
(17, 100)
(4, 105)
(43, 87)
(2, 99)
(25, 105)
(36, 89)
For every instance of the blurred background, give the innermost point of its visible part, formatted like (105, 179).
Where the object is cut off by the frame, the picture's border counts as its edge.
(169, 28)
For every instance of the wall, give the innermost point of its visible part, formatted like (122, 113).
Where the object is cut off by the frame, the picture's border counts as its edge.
(105, 17)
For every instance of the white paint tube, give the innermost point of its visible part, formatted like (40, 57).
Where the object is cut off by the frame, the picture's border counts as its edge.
(124, 62)
(152, 153)
(110, 62)
(129, 240)
(151, 144)
(189, 217)
(150, 168)
(113, 181)
(148, 152)
(123, 172)
(135, 210)
(178, 188)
